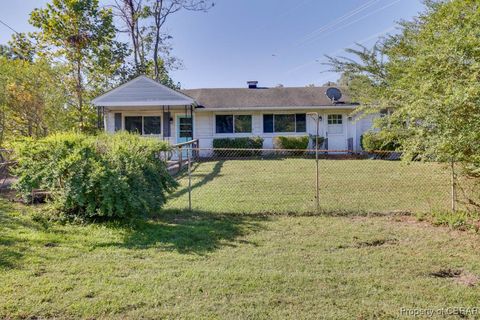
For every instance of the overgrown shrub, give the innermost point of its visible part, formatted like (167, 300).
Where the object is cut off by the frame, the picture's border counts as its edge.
(238, 143)
(282, 142)
(108, 175)
(383, 140)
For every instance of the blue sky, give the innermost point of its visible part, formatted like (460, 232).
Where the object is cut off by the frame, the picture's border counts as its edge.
(272, 41)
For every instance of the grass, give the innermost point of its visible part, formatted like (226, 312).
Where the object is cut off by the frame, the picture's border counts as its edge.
(240, 254)
(210, 265)
(288, 186)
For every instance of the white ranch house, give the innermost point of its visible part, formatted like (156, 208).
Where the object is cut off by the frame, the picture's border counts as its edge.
(143, 105)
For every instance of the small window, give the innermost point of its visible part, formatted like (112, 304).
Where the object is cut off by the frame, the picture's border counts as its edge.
(144, 125)
(133, 124)
(243, 123)
(233, 123)
(118, 121)
(285, 122)
(152, 125)
(224, 124)
(335, 119)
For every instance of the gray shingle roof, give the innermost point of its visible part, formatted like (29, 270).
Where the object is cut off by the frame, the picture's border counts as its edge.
(262, 97)
(142, 91)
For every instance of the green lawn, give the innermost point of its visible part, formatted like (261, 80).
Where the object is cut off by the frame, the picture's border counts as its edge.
(288, 186)
(240, 255)
(208, 265)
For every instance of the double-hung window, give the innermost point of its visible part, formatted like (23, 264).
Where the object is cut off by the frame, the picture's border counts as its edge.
(241, 123)
(146, 125)
(295, 122)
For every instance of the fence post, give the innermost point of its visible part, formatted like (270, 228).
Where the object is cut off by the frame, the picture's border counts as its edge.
(180, 158)
(454, 187)
(316, 165)
(189, 159)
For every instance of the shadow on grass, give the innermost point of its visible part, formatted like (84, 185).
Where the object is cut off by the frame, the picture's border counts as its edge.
(189, 232)
(205, 179)
(11, 248)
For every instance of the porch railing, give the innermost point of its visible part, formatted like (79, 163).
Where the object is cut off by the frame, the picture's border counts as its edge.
(182, 158)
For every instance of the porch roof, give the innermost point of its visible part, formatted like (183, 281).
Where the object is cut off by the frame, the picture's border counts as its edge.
(142, 92)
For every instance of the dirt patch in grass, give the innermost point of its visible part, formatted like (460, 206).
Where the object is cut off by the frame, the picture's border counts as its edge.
(368, 243)
(375, 243)
(459, 276)
(50, 245)
(468, 279)
(446, 273)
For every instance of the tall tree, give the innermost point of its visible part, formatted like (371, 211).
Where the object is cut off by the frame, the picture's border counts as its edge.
(31, 102)
(131, 13)
(429, 74)
(81, 35)
(144, 21)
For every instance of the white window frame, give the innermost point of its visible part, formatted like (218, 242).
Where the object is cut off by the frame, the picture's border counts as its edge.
(284, 132)
(143, 123)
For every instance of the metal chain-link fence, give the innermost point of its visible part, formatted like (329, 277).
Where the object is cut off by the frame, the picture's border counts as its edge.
(294, 182)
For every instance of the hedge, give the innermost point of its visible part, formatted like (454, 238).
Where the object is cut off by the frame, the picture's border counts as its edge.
(383, 140)
(237, 143)
(115, 176)
(282, 142)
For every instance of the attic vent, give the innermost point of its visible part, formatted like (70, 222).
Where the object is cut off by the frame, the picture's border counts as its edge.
(252, 84)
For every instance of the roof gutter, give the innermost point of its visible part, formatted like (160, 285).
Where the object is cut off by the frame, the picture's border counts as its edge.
(144, 103)
(339, 106)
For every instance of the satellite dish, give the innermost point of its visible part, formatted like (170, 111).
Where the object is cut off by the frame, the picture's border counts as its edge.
(334, 94)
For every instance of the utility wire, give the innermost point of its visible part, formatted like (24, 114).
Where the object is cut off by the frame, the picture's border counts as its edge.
(35, 44)
(312, 35)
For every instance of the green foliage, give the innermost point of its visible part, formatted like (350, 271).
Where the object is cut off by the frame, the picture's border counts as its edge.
(314, 139)
(412, 73)
(111, 176)
(81, 35)
(282, 142)
(383, 140)
(456, 220)
(428, 76)
(238, 143)
(31, 101)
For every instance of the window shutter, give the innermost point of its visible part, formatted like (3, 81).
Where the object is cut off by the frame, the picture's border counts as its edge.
(268, 123)
(118, 121)
(166, 124)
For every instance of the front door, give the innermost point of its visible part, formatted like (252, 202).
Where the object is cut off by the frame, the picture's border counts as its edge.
(335, 132)
(184, 128)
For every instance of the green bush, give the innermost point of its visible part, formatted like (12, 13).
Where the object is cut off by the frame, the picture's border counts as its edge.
(383, 140)
(237, 143)
(281, 142)
(321, 141)
(115, 176)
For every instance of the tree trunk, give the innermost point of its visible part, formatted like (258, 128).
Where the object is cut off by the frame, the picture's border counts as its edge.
(80, 94)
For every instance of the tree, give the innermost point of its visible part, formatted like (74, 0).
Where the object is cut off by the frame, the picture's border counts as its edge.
(81, 36)
(31, 102)
(144, 21)
(429, 75)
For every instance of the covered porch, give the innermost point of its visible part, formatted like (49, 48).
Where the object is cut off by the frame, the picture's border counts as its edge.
(148, 108)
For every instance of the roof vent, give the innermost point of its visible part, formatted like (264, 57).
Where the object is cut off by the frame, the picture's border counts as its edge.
(252, 84)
